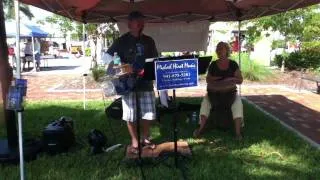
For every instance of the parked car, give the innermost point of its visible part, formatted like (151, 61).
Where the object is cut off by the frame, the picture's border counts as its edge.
(76, 50)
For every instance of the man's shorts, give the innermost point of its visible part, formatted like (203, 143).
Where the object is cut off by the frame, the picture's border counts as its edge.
(37, 57)
(236, 108)
(146, 102)
(27, 58)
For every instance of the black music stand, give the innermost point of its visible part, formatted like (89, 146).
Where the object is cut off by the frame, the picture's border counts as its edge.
(174, 107)
(149, 74)
(139, 161)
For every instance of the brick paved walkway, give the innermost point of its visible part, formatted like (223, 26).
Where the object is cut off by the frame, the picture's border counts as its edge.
(299, 110)
(43, 88)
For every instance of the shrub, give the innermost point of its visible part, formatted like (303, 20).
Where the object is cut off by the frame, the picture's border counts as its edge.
(295, 60)
(97, 72)
(278, 59)
(278, 44)
(311, 46)
(251, 69)
(312, 58)
(317, 71)
(307, 58)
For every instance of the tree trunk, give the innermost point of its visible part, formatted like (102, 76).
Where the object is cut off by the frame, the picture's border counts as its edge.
(5, 74)
(95, 64)
(282, 66)
(283, 62)
(5, 77)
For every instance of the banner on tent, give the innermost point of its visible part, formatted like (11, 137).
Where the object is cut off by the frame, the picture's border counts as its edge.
(170, 37)
(173, 74)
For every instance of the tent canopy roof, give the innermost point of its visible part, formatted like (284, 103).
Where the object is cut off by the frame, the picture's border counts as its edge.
(25, 30)
(168, 10)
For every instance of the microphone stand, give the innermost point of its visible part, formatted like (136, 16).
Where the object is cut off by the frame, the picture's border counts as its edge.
(139, 161)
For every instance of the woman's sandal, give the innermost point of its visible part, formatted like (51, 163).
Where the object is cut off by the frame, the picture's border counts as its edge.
(148, 144)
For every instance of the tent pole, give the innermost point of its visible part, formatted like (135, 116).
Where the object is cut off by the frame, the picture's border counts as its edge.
(18, 70)
(83, 39)
(33, 55)
(18, 60)
(239, 48)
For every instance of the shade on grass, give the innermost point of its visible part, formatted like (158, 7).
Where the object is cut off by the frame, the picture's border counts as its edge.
(268, 151)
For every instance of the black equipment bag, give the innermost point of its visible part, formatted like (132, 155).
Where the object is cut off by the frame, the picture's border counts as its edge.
(115, 109)
(58, 136)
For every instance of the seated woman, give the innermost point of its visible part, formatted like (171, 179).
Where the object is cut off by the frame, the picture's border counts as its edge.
(222, 77)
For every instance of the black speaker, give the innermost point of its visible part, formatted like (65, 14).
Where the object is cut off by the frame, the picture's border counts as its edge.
(58, 136)
(115, 109)
(97, 141)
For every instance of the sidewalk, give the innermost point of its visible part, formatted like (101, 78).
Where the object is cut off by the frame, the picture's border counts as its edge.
(298, 110)
(41, 87)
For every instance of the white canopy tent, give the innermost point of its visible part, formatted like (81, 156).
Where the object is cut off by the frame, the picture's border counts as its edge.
(158, 11)
(180, 36)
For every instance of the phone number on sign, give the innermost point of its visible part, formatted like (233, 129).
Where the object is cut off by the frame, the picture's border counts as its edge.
(177, 75)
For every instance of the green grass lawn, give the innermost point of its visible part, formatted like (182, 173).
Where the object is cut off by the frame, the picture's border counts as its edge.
(268, 151)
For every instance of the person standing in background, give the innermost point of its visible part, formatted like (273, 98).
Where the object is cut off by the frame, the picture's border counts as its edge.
(28, 53)
(37, 52)
(93, 51)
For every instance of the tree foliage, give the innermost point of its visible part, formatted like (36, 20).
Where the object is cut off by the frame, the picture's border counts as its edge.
(252, 35)
(65, 24)
(91, 29)
(106, 30)
(301, 24)
(311, 30)
(9, 6)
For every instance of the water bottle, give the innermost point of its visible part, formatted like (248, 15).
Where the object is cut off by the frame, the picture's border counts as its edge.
(116, 62)
(116, 59)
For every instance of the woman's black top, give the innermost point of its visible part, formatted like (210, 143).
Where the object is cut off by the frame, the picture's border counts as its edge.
(214, 70)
